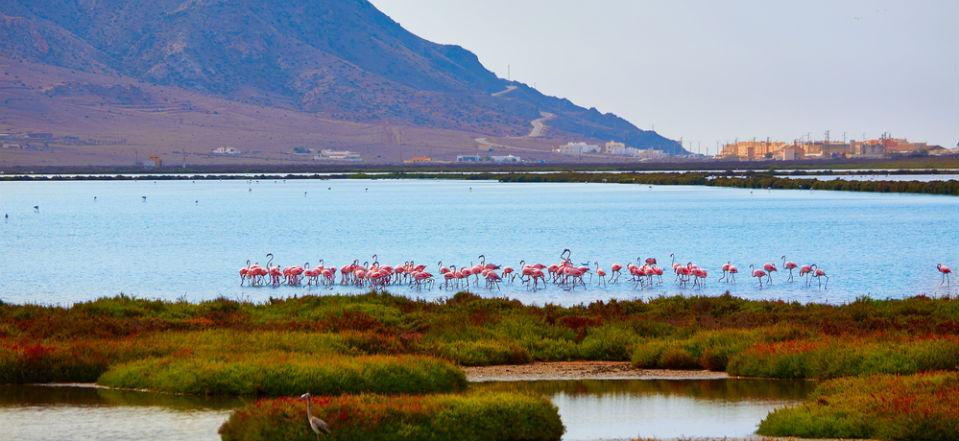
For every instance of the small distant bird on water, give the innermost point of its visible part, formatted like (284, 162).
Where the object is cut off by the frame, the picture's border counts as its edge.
(144, 198)
(319, 426)
(94, 198)
(36, 208)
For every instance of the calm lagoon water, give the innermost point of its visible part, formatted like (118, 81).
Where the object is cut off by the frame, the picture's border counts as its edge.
(590, 410)
(188, 239)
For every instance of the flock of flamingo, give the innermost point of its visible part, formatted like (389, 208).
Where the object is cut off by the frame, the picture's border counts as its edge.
(643, 273)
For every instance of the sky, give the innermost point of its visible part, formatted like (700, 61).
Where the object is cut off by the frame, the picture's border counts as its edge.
(714, 71)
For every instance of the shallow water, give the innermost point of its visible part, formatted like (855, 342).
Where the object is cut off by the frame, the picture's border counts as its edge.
(34, 413)
(590, 410)
(188, 239)
(664, 409)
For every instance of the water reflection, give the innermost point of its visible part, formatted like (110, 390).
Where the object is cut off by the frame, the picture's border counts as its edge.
(609, 409)
(39, 413)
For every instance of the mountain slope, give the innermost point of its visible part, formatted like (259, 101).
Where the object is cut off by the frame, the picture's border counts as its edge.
(340, 58)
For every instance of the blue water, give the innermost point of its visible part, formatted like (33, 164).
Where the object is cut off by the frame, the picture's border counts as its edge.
(189, 239)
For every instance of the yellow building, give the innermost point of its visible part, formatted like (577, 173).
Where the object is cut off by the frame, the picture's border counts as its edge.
(752, 150)
(418, 160)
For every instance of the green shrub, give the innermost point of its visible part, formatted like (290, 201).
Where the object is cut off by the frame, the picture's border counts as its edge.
(704, 350)
(471, 417)
(608, 343)
(275, 374)
(842, 356)
(886, 407)
(484, 352)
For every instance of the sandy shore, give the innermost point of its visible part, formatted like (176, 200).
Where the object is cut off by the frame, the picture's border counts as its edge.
(582, 370)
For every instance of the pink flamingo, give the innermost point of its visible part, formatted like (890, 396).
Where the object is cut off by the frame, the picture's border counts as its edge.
(758, 274)
(790, 266)
(732, 273)
(508, 273)
(492, 279)
(819, 274)
(945, 274)
(770, 269)
(700, 276)
(725, 269)
(245, 272)
(601, 274)
(615, 272)
(423, 278)
(805, 272)
(449, 276)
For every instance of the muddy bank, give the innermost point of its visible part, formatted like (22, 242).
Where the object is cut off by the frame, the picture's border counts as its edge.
(582, 370)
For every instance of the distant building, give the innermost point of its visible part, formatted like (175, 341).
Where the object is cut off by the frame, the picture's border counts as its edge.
(647, 154)
(418, 160)
(869, 148)
(301, 150)
(505, 159)
(11, 145)
(337, 155)
(577, 148)
(223, 150)
(752, 150)
(614, 148)
(469, 158)
(790, 153)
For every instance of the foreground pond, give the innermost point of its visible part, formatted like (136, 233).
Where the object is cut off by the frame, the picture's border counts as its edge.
(591, 410)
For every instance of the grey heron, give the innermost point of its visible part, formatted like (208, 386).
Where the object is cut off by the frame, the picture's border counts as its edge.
(319, 426)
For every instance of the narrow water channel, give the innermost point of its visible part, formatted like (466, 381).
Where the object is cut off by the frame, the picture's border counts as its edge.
(591, 410)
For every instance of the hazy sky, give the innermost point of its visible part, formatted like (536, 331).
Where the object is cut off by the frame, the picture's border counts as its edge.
(711, 71)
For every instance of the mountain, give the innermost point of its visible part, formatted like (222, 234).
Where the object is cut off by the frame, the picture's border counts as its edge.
(341, 59)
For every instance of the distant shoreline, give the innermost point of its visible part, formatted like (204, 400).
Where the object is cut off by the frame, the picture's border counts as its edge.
(909, 165)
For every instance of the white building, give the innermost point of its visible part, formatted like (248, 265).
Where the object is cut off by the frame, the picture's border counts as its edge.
(337, 155)
(648, 154)
(469, 158)
(577, 148)
(223, 150)
(506, 159)
(615, 148)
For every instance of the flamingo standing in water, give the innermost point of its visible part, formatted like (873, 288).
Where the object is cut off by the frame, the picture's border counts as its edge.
(732, 273)
(245, 272)
(818, 273)
(725, 270)
(945, 274)
(806, 271)
(614, 277)
(790, 265)
(770, 269)
(601, 274)
(758, 274)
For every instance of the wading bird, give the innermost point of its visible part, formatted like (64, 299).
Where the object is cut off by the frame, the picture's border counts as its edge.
(819, 274)
(790, 265)
(945, 274)
(319, 426)
(770, 269)
(758, 274)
